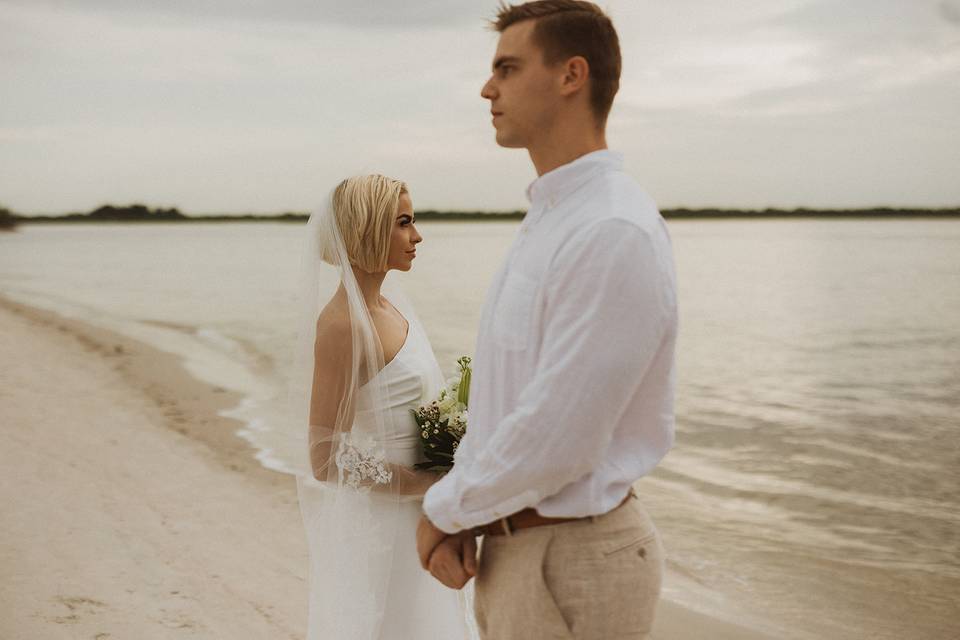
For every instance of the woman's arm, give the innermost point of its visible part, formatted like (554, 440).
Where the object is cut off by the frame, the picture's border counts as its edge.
(332, 414)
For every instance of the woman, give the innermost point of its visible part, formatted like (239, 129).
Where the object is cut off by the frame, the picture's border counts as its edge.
(364, 362)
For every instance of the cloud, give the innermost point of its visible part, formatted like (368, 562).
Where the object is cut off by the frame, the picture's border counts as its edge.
(216, 106)
(872, 27)
(353, 13)
(821, 56)
(950, 11)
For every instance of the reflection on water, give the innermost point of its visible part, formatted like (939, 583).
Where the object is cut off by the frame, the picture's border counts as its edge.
(816, 475)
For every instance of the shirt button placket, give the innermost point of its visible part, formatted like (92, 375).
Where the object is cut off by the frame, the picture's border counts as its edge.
(529, 220)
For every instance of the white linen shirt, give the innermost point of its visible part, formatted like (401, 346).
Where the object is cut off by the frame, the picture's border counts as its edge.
(571, 398)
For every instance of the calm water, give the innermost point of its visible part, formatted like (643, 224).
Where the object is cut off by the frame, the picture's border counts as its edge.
(815, 483)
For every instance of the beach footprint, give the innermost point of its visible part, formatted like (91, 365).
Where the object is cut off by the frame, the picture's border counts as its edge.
(77, 606)
(176, 619)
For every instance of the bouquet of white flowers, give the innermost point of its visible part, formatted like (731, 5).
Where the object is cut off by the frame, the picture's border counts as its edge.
(444, 421)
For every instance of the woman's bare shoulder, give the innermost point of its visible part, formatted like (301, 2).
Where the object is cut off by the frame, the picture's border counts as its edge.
(333, 326)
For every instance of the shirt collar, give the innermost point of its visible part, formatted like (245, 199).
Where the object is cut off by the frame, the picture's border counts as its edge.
(555, 185)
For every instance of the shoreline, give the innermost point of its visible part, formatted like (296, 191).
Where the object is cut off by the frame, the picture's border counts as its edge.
(116, 530)
(191, 407)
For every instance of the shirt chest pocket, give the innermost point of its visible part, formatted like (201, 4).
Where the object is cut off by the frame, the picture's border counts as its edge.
(514, 312)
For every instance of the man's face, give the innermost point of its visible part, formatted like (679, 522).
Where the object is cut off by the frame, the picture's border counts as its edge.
(523, 92)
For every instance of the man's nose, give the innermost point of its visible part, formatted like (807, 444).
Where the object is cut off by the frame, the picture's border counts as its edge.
(487, 90)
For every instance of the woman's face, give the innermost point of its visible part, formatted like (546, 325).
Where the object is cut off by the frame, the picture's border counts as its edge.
(403, 237)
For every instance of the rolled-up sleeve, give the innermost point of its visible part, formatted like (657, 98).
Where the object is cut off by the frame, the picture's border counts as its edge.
(609, 300)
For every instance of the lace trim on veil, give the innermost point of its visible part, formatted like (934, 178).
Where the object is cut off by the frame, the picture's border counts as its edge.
(361, 460)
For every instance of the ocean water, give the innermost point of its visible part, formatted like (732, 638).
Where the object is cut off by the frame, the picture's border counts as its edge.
(814, 489)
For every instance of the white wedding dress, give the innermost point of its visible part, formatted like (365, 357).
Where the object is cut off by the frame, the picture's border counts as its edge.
(418, 607)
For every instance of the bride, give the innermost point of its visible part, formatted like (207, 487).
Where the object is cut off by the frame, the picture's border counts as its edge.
(363, 362)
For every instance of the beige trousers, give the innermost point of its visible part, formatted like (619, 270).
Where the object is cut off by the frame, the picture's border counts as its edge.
(591, 579)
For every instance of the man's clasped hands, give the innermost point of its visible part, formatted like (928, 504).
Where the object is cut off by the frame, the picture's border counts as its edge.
(450, 558)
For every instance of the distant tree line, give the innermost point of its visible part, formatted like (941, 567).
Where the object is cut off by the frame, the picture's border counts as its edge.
(431, 214)
(803, 212)
(142, 213)
(129, 213)
(139, 213)
(8, 220)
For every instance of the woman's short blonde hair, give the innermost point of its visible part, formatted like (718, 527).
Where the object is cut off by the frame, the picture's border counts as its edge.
(363, 207)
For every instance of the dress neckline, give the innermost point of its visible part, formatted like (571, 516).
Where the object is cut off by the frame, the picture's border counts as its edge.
(406, 338)
(396, 356)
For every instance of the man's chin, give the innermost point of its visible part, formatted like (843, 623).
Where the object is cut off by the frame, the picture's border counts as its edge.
(504, 139)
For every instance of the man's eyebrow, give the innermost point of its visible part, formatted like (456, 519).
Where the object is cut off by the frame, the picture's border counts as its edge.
(502, 60)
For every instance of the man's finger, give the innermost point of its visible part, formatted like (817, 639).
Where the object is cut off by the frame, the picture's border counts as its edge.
(470, 555)
(449, 563)
(428, 537)
(438, 569)
(424, 554)
(446, 567)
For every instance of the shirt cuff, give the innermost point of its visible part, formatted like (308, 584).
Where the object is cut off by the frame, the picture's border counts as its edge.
(438, 505)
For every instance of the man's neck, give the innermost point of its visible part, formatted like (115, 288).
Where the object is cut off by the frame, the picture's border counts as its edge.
(557, 149)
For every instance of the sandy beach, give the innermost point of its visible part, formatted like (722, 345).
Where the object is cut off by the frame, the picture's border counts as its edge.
(131, 510)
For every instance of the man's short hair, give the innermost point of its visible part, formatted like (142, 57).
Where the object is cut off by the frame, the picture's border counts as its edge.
(567, 28)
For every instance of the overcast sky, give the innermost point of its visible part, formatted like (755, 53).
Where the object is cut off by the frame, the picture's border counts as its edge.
(256, 106)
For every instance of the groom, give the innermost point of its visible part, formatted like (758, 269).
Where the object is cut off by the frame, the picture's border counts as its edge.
(572, 391)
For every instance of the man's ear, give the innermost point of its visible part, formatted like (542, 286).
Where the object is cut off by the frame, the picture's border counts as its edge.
(576, 73)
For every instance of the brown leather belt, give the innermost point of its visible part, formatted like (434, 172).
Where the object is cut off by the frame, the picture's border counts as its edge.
(530, 518)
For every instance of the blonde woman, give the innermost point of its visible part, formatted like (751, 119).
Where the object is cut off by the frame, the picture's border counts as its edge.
(364, 363)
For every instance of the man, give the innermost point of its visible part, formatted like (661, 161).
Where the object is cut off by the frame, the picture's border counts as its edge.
(573, 381)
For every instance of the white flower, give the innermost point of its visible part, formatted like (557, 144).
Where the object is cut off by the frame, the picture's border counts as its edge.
(448, 405)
